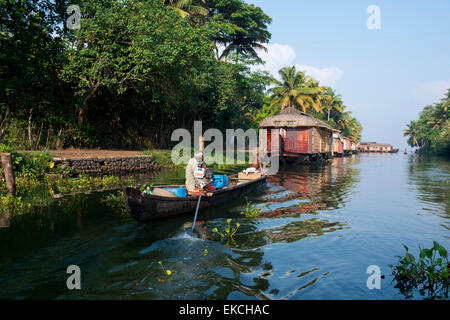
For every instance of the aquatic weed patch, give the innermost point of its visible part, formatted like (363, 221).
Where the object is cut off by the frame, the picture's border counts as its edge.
(116, 202)
(429, 273)
(228, 233)
(251, 211)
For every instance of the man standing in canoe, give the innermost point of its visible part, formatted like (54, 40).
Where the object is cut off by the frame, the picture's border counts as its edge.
(192, 165)
(190, 168)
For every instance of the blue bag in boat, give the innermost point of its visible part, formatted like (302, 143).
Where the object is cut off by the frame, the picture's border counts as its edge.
(179, 191)
(220, 180)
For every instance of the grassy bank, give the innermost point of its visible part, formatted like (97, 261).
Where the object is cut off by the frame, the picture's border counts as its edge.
(36, 174)
(163, 158)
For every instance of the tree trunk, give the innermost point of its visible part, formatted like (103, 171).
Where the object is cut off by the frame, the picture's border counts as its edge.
(30, 142)
(9, 173)
(5, 220)
(1, 127)
(39, 136)
(48, 137)
(85, 104)
(329, 109)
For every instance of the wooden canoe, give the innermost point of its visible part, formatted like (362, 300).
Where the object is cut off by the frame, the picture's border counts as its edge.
(148, 207)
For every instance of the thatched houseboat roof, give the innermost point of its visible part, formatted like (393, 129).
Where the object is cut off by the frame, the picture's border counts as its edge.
(293, 118)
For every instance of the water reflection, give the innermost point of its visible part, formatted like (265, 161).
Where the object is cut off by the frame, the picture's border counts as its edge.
(431, 177)
(294, 192)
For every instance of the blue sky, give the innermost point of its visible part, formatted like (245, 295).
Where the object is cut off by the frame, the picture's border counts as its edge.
(385, 76)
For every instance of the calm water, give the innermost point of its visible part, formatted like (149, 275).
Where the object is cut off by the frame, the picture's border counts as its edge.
(324, 225)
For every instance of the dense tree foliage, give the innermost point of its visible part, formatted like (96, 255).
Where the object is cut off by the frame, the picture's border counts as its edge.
(431, 132)
(133, 72)
(136, 70)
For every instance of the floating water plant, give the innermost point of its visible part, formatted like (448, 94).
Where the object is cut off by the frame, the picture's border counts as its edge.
(116, 202)
(167, 272)
(229, 231)
(251, 211)
(429, 273)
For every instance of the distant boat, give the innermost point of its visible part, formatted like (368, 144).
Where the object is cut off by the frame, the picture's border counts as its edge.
(406, 152)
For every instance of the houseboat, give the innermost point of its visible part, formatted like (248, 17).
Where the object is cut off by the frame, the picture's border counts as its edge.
(338, 144)
(349, 146)
(295, 135)
(376, 147)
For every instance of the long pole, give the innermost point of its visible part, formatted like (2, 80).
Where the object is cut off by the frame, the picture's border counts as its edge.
(201, 144)
(196, 211)
(9, 173)
(201, 147)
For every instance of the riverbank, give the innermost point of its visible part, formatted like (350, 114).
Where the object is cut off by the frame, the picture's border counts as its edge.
(41, 176)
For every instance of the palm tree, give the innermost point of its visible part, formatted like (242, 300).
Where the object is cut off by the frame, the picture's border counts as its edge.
(446, 101)
(354, 130)
(242, 46)
(188, 7)
(296, 90)
(332, 101)
(438, 115)
(412, 131)
(344, 120)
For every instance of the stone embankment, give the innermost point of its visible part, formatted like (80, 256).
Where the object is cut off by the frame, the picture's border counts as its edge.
(105, 162)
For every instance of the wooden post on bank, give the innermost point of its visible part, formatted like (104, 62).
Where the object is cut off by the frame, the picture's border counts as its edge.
(9, 173)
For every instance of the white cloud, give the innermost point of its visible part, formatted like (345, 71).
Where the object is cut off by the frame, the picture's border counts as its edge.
(325, 76)
(431, 92)
(277, 57)
(283, 55)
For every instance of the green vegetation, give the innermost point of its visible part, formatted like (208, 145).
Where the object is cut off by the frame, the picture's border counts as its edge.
(162, 157)
(167, 272)
(116, 202)
(85, 182)
(136, 70)
(251, 211)
(429, 274)
(228, 233)
(131, 74)
(9, 203)
(297, 90)
(36, 172)
(431, 132)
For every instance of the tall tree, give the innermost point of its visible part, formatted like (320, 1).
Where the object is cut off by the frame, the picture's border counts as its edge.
(238, 28)
(411, 131)
(332, 101)
(296, 90)
(130, 44)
